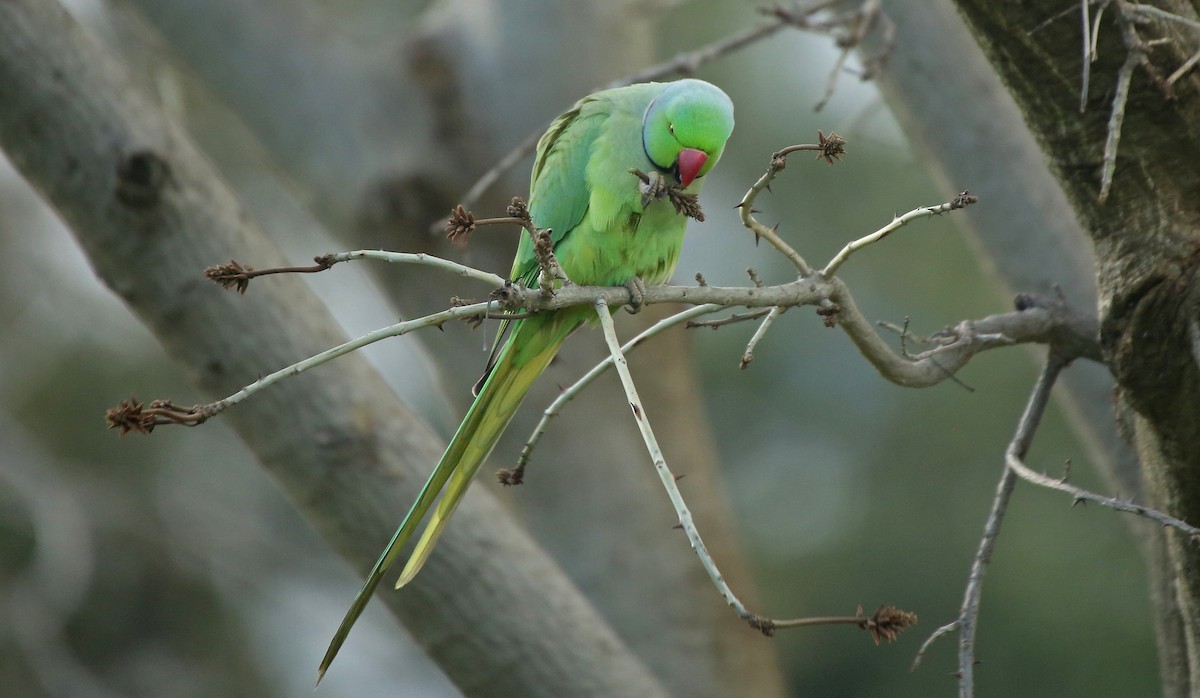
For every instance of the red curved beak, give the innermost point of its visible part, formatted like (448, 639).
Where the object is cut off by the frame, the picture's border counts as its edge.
(689, 163)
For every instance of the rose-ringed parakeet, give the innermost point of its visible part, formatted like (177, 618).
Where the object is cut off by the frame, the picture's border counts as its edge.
(608, 230)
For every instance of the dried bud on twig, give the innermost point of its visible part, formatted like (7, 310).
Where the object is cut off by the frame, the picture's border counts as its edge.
(232, 275)
(685, 203)
(510, 477)
(654, 187)
(518, 209)
(832, 147)
(887, 623)
(460, 225)
(129, 416)
(963, 200)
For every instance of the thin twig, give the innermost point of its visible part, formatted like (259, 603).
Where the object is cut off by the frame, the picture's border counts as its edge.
(1183, 69)
(1039, 398)
(516, 474)
(832, 80)
(1082, 495)
(829, 149)
(1115, 120)
(1094, 52)
(963, 200)
(236, 276)
(424, 260)
(862, 21)
(728, 320)
(886, 623)
(969, 613)
(401, 328)
(1157, 13)
(1087, 56)
(1050, 20)
(689, 62)
(933, 637)
(772, 316)
(506, 163)
(660, 466)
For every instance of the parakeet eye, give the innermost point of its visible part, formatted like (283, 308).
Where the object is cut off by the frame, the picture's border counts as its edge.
(671, 128)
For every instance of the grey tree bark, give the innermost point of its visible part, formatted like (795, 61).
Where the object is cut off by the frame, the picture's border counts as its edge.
(1013, 133)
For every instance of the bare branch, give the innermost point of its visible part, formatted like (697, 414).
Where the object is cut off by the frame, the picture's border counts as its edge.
(1082, 495)
(969, 613)
(1115, 120)
(961, 201)
(885, 625)
(772, 316)
(516, 474)
(1087, 55)
(828, 149)
(660, 465)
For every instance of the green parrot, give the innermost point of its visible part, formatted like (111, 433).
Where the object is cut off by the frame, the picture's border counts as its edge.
(607, 231)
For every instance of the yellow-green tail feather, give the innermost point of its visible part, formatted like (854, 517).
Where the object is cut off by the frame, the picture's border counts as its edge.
(485, 421)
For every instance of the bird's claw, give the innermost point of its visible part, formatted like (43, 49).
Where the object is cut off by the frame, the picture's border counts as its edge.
(637, 293)
(653, 187)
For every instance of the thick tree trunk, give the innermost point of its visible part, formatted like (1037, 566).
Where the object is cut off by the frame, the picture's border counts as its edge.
(1145, 238)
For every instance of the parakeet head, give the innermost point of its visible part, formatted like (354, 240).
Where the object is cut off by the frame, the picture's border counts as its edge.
(685, 128)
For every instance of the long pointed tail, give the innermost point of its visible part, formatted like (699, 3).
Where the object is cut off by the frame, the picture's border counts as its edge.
(487, 418)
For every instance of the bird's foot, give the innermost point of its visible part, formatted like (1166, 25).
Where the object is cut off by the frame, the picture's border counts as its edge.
(637, 293)
(653, 187)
